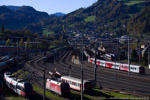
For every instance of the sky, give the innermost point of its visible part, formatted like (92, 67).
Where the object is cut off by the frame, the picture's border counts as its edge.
(51, 6)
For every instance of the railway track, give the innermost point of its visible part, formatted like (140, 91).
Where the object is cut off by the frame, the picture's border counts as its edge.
(135, 84)
(108, 79)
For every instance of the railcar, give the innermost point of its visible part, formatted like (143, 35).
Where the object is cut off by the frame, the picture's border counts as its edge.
(119, 66)
(7, 64)
(86, 54)
(4, 58)
(18, 86)
(58, 86)
(76, 83)
(109, 56)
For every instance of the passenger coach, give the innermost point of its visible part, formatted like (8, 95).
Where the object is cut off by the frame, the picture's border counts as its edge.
(76, 83)
(119, 66)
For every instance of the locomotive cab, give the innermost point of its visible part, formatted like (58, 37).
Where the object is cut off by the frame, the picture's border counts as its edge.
(65, 89)
(142, 70)
(88, 86)
(28, 89)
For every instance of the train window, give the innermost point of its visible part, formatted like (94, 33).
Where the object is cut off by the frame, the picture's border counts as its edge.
(73, 83)
(20, 88)
(78, 85)
(12, 86)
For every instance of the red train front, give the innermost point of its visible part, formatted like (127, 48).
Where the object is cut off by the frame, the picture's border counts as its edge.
(58, 87)
(27, 91)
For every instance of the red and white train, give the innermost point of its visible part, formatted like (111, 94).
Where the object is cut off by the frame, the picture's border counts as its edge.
(119, 66)
(58, 86)
(20, 87)
(76, 83)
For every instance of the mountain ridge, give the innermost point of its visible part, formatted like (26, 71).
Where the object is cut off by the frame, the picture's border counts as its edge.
(101, 17)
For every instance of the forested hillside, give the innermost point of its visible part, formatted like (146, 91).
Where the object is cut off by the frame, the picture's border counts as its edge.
(114, 17)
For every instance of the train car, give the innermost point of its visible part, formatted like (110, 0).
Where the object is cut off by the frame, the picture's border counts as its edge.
(110, 56)
(1, 87)
(58, 86)
(91, 60)
(76, 83)
(119, 66)
(7, 64)
(102, 63)
(86, 54)
(18, 86)
(133, 68)
(4, 58)
(3, 65)
(113, 65)
(55, 75)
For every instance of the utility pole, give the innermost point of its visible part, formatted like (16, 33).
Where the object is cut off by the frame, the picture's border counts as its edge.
(128, 56)
(95, 66)
(44, 79)
(44, 83)
(82, 74)
(148, 54)
(17, 57)
(81, 83)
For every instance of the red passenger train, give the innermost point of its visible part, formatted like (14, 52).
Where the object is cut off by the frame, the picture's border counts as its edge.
(119, 66)
(58, 86)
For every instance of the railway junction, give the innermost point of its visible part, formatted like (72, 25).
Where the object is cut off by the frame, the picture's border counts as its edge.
(68, 62)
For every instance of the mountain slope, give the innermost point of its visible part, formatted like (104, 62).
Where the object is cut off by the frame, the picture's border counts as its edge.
(141, 23)
(19, 18)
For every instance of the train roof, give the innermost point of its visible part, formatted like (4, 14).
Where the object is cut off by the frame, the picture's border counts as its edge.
(58, 81)
(74, 79)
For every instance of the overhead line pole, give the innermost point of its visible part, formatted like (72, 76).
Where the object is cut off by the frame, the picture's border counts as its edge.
(129, 56)
(148, 53)
(82, 74)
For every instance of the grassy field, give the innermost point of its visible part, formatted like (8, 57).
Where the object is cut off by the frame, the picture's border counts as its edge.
(132, 2)
(46, 31)
(24, 74)
(15, 73)
(90, 19)
(96, 94)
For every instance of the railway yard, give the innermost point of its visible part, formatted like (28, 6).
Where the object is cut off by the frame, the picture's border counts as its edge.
(109, 80)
